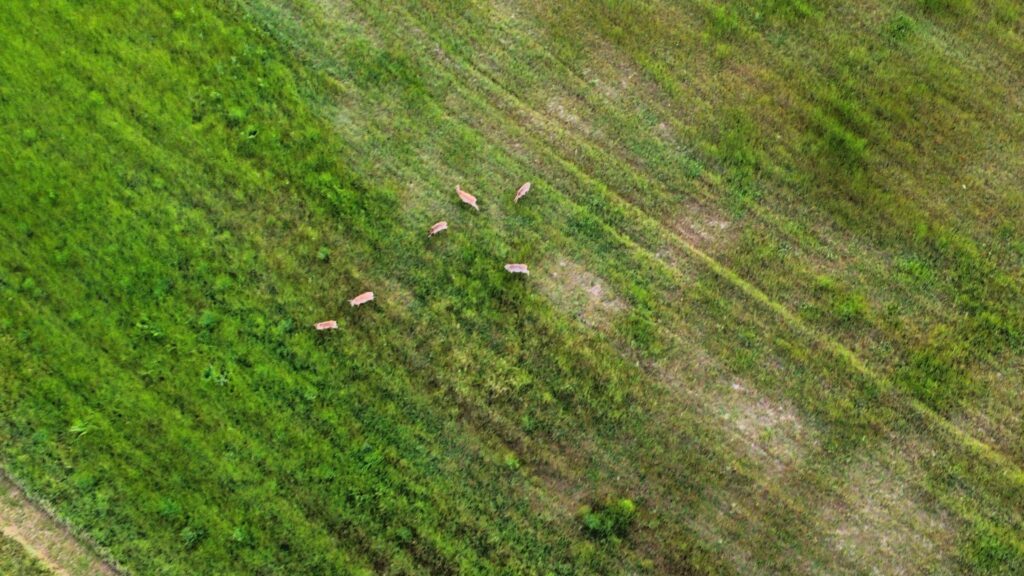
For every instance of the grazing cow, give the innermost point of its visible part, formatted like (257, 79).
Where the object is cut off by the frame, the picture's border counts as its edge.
(522, 191)
(466, 197)
(361, 299)
(439, 227)
(517, 268)
(327, 325)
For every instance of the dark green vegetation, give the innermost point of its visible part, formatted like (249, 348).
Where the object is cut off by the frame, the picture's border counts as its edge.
(609, 519)
(776, 303)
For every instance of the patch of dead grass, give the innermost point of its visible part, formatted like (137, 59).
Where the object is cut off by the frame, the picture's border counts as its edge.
(581, 293)
(704, 225)
(882, 527)
(44, 537)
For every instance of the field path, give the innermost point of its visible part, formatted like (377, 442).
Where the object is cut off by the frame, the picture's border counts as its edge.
(44, 537)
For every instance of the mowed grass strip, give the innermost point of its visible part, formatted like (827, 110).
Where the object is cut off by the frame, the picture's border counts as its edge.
(515, 139)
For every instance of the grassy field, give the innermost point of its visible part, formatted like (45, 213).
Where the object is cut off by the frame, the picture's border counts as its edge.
(15, 561)
(34, 541)
(774, 322)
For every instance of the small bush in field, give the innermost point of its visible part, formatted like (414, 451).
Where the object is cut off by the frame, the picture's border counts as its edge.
(612, 519)
(323, 254)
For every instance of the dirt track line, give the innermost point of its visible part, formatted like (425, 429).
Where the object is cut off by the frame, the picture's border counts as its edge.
(44, 537)
(1011, 470)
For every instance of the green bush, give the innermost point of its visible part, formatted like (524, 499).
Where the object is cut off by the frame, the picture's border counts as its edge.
(610, 519)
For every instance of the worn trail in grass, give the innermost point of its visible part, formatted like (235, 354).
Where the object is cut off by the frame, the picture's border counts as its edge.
(48, 547)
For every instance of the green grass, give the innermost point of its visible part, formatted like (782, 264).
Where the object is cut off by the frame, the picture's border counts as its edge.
(805, 212)
(16, 561)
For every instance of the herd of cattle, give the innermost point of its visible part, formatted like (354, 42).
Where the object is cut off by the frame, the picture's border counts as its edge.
(465, 197)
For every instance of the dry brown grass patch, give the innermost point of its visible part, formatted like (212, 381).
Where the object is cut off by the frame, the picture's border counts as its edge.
(45, 537)
(581, 293)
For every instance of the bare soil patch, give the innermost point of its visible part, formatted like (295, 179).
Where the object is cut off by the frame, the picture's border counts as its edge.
(581, 293)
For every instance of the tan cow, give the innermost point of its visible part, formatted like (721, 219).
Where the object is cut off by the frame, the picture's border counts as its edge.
(466, 197)
(361, 299)
(439, 227)
(522, 191)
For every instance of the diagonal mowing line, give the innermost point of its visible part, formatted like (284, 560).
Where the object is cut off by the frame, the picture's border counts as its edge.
(45, 537)
(725, 271)
(633, 211)
(1012, 471)
(977, 447)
